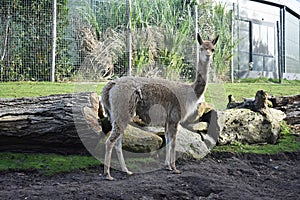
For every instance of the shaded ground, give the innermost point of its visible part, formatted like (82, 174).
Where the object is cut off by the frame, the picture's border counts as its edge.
(218, 176)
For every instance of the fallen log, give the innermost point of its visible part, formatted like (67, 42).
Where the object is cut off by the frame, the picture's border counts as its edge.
(290, 105)
(49, 123)
(258, 104)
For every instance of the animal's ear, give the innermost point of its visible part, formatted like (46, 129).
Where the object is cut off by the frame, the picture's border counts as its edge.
(199, 39)
(214, 41)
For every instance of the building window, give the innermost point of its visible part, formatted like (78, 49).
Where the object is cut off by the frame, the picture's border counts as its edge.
(263, 47)
(292, 44)
(244, 46)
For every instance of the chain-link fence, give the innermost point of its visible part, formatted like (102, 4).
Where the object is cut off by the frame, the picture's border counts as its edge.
(99, 39)
(25, 39)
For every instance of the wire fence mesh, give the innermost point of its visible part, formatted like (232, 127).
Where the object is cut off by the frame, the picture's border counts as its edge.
(92, 38)
(25, 40)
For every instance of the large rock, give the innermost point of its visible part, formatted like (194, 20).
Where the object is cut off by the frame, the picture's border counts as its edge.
(196, 144)
(140, 141)
(246, 126)
(190, 144)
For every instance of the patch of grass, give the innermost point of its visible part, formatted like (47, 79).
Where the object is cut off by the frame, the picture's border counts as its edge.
(217, 94)
(267, 80)
(246, 90)
(34, 89)
(287, 143)
(285, 128)
(48, 164)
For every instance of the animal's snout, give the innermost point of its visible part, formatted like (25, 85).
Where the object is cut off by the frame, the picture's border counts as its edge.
(208, 53)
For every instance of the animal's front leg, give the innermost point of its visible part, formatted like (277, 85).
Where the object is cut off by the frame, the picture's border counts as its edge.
(171, 130)
(173, 156)
(173, 149)
(168, 151)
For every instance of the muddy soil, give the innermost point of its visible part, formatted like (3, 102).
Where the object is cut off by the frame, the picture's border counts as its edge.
(217, 176)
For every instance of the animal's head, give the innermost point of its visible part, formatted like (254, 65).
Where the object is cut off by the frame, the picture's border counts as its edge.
(207, 48)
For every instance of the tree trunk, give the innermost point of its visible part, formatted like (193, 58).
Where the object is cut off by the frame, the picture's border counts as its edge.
(62, 123)
(291, 106)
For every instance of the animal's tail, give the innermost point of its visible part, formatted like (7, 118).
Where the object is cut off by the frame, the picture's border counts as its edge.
(105, 97)
(105, 107)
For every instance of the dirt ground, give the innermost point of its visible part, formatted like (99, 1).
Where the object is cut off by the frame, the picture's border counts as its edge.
(217, 176)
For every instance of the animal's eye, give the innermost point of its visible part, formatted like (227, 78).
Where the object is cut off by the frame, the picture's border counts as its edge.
(201, 48)
(213, 50)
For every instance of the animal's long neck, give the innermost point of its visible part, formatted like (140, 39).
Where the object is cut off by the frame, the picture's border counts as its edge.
(200, 82)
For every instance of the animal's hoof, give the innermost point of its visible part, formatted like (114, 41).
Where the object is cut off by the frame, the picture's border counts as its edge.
(129, 173)
(169, 168)
(109, 178)
(176, 171)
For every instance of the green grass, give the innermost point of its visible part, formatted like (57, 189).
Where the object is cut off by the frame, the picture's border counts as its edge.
(215, 91)
(48, 164)
(246, 90)
(267, 80)
(287, 143)
(34, 89)
(248, 87)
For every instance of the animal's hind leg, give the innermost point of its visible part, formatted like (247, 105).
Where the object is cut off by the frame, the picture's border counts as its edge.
(119, 151)
(168, 151)
(108, 150)
(109, 144)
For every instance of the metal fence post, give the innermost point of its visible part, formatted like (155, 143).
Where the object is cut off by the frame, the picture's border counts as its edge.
(128, 42)
(53, 42)
(232, 42)
(196, 32)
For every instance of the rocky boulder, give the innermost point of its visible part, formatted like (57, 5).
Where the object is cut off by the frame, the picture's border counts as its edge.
(140, 141)
(196, 140)
(190, 144)
(246, 126)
